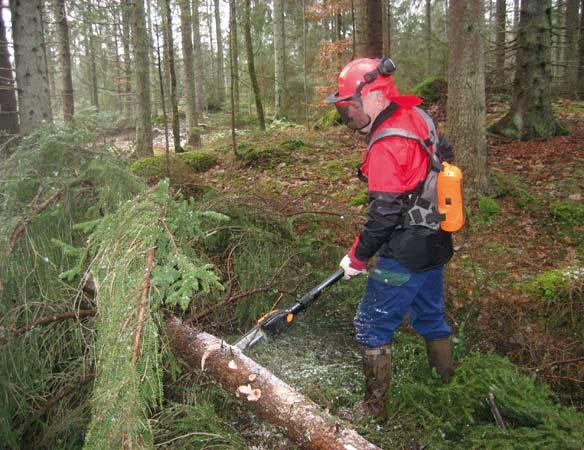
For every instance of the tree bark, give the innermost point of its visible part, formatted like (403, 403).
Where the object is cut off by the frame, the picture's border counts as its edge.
(8, 109)
(34, 99)
(251, 66)
(198, 63)
(386, 25)
(269, 397)
(220, 63)
(570, 81)
(193, 137)
(279, 60)
(466, 91)
(428, 38)
(169, 43)
(501, 16)
(64, 60)
(531, 114)
(368, 32)
(581, 52)
(234, 56)
(128, 103)
(142, 80)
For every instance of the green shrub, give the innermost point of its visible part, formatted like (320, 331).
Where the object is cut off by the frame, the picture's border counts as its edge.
(431, 89)
(329, 119)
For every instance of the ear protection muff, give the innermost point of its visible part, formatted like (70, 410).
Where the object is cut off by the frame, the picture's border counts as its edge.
(385, 68)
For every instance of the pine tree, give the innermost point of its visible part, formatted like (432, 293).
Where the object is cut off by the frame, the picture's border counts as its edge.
(9, 115)
(279, 60)
(251, 66)
(60, 13)
(368, 32)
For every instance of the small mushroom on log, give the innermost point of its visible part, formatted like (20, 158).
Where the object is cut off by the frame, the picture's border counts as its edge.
(269, 397)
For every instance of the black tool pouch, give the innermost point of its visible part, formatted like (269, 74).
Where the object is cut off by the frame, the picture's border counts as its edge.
(420, 248)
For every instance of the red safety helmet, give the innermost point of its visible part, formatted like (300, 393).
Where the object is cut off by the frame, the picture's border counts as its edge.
(360, 77)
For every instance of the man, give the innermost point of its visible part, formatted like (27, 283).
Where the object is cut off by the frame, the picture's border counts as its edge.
(408, 276)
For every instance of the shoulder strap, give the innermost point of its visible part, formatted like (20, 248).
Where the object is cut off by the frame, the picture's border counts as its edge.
(425, 143)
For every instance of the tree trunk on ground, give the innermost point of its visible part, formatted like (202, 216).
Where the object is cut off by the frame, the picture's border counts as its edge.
(8, 110)
(34, 99)
(169, 44)
(279, 60)
(234, 56)
(428, 38)
(466, 91)
(501, 16)
(220, 63)
(198, 63)
(142, 80)
(269, 397)
(531, 110)
(250, 64)
(64, 59)
(368, 32)
(128, 103)
(193, 137)
(570, 80)
(581, 52)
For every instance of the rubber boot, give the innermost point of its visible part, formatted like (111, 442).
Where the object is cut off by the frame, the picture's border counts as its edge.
(377, 369)
(440, 358)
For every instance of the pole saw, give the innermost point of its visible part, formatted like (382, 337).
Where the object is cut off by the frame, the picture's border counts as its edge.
(278, 321)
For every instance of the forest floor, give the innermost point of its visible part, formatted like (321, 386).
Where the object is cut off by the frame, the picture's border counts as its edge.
(504, 293)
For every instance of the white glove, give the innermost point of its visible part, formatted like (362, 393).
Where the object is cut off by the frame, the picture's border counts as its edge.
(350, 271)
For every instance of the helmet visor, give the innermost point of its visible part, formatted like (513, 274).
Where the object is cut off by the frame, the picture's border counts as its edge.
(352, 114)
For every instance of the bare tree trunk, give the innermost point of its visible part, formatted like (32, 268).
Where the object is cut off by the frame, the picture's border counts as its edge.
(531, 110)
(193, 137)
(234, 57)
(128, 103)
(501, 16)
(220, 62)
(251, 66)
(386, 26)
(268, 396)
(368, 32)
(466, 91)
(581, 52)
(198, 62)
(169, 41)
(118, 62)
(8, 110)
(64, 59)
(570, 82)
(428, 38)
(279, 60)
(142, 73)
(232, 94)
(34, 98)
(559, 36)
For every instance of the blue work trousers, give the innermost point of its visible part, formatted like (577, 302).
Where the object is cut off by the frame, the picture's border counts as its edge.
(392, 291)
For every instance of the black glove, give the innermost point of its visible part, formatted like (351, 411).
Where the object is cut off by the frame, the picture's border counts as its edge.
(445, 151)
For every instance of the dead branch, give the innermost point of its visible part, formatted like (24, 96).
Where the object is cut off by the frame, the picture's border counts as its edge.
(64, 392)
(270, 398)
(143, 302)
(495, 411)
(55, 317)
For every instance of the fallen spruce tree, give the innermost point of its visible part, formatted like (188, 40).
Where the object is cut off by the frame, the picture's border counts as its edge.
(271, 399)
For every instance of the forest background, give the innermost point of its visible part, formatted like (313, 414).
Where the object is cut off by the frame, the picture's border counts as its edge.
(175, 157)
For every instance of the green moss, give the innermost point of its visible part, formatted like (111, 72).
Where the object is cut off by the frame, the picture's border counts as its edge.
(293, 144)
(488, 207)
(251, 155)
(329, 119)
(512, 186)
(556, 283)
(181, 164)
(431, 89)
(568, 213)
(360, 199)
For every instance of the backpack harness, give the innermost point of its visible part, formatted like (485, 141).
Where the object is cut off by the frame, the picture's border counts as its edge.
(422, 207)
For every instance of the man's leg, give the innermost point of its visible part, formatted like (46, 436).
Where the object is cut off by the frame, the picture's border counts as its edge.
(428, 318)
(390, 290)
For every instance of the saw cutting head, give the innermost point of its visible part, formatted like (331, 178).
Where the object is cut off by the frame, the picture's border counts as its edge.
(271, 325)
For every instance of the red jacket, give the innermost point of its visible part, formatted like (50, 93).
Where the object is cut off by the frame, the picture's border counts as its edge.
(394, 166)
